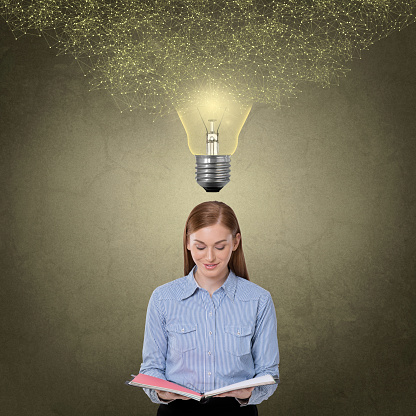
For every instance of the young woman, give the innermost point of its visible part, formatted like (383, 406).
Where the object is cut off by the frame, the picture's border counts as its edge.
(212, 327)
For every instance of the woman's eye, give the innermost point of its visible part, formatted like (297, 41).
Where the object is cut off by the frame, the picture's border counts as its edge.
(220, 248)
(200, 248)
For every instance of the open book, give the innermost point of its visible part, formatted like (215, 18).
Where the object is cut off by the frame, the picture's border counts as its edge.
(143, 380)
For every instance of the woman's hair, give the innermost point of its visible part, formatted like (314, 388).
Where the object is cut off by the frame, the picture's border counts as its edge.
(208, 214)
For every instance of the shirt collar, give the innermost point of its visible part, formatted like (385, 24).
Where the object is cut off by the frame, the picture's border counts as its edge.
(190, 285)
(230, 285)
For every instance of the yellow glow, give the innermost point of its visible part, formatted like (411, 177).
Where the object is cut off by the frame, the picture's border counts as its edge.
(229, 115)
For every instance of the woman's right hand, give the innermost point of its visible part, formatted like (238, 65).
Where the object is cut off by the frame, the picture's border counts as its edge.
(167, 396)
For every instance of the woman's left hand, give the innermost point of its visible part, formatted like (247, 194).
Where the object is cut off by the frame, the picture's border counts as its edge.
(242, 394)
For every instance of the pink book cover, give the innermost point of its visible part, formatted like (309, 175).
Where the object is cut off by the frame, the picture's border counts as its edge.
(157, 383)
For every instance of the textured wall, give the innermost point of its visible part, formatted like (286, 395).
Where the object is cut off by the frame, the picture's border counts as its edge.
(93, 203)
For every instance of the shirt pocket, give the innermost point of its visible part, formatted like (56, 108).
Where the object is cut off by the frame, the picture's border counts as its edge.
(182, 337)
(238, 339)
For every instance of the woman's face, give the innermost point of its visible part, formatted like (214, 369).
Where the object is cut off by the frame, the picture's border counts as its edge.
(211, 248)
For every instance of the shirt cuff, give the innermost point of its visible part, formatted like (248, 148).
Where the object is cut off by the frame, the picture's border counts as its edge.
(261, 393)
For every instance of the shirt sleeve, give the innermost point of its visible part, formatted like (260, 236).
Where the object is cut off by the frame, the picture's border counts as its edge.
(265, 349)
(154, 345)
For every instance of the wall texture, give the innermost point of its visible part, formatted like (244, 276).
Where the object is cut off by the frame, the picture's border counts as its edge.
(93, 204)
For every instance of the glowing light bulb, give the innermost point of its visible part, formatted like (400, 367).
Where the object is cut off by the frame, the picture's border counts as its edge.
(213, 121)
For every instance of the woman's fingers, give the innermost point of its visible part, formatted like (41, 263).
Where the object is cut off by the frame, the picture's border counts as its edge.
(167, 396)
(239, 394)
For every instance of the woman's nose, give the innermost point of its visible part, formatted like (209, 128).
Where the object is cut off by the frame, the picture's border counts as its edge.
(210, 254)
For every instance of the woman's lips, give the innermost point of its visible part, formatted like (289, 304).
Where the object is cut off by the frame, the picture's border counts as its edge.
(210, 266)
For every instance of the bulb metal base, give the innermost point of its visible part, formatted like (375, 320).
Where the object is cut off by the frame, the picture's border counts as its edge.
(213, 171)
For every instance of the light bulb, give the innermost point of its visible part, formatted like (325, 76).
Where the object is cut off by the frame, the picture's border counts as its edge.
(213, 121)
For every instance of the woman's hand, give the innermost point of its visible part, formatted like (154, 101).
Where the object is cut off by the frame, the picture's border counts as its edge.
(242, 394)
(168, 396)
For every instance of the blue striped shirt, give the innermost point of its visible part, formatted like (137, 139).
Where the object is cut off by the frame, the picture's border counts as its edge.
(204, 342)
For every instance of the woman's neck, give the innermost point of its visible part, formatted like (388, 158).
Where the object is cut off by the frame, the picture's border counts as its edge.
(210, 284)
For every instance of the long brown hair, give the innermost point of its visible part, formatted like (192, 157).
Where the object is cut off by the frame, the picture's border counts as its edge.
(207, 214)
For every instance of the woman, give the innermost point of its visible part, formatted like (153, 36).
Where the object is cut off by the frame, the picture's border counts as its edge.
(212, 327)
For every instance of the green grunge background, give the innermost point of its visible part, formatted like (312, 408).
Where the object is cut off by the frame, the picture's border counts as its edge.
(93, 204)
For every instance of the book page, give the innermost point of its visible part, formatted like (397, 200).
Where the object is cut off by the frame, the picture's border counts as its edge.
(253, 382)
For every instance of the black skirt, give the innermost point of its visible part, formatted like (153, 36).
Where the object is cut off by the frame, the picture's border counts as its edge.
(214, 406)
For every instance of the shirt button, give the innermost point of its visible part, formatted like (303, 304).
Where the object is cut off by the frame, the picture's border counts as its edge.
(238, 332)
(209, 373)
(210, 332)
(183, 329)
(209, 352)
(210, 314)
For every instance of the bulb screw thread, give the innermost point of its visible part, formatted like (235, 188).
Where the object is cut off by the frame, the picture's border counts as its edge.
(213, 171)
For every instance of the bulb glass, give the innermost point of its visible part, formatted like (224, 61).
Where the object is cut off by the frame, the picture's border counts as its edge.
(217, 112)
